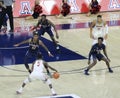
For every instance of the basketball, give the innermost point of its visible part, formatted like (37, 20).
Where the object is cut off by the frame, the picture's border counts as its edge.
(56, 75)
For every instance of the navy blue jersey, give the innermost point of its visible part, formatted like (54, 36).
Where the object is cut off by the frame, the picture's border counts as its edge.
(34, 46)
(44, 24)
(96, 49)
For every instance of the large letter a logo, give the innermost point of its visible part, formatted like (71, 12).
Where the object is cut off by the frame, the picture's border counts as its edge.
(25, 7)
(114, 4)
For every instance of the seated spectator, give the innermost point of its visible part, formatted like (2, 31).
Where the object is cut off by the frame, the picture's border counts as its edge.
(65, 10)
(94, 7)
(37, 10)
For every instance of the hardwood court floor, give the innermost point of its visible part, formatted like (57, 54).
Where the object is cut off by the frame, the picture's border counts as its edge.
(100, 83)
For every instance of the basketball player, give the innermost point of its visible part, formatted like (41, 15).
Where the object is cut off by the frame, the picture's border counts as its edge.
(46, 26)
(96, 55)
(33, 48)
(37, 10)
(38, 74)
(65, 10)
(98, 28)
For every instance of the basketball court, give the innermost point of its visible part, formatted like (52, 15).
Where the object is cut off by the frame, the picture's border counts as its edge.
(75, 44)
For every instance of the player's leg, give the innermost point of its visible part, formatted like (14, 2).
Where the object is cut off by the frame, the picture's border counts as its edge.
(20, 90)
(49, 31)
(41, 31)
(45, 79)
(108, 64)
(90, 66)
(94, 62)
(48, 82)
(27, 56)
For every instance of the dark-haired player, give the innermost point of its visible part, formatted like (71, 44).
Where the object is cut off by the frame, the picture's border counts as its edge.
(38, 74)
(99, 28)
(46, 26)
(95, 54)
(33, 48)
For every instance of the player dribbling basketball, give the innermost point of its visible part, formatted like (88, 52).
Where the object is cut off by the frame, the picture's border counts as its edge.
(37, 74)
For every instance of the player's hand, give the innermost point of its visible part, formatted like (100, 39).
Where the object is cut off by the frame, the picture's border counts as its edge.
(29, 71)
(16, 45)
(88, 62)
(50, 54)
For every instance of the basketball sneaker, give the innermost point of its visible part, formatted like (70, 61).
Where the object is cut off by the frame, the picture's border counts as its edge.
(86, 72)
(19, 91)
(110, 70)
(54, 94)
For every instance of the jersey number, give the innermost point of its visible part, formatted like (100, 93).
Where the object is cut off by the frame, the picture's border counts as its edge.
(38, 63)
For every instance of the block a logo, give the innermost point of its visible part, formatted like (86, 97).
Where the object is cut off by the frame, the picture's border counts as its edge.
(25, 7)
(114, 4)
(74, 6)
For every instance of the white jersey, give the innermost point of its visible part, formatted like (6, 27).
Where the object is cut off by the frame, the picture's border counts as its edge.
(38, 66)
(99, 30)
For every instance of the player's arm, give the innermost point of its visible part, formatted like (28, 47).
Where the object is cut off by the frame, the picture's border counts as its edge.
(91, 29)
(57, 36)
(106, 30)
(43, 45)
(47, 66)
(23, 42)
(39, 22)
(32, 66)
(90, 53)
(105, 53)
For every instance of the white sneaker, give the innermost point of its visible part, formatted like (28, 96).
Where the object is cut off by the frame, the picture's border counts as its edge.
(19, 91)
(54, 94)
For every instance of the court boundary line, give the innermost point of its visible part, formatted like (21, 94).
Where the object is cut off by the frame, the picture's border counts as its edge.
(75, 71)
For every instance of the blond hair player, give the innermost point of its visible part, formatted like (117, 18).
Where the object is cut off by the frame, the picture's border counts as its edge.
(37, 74)
(98, 28)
